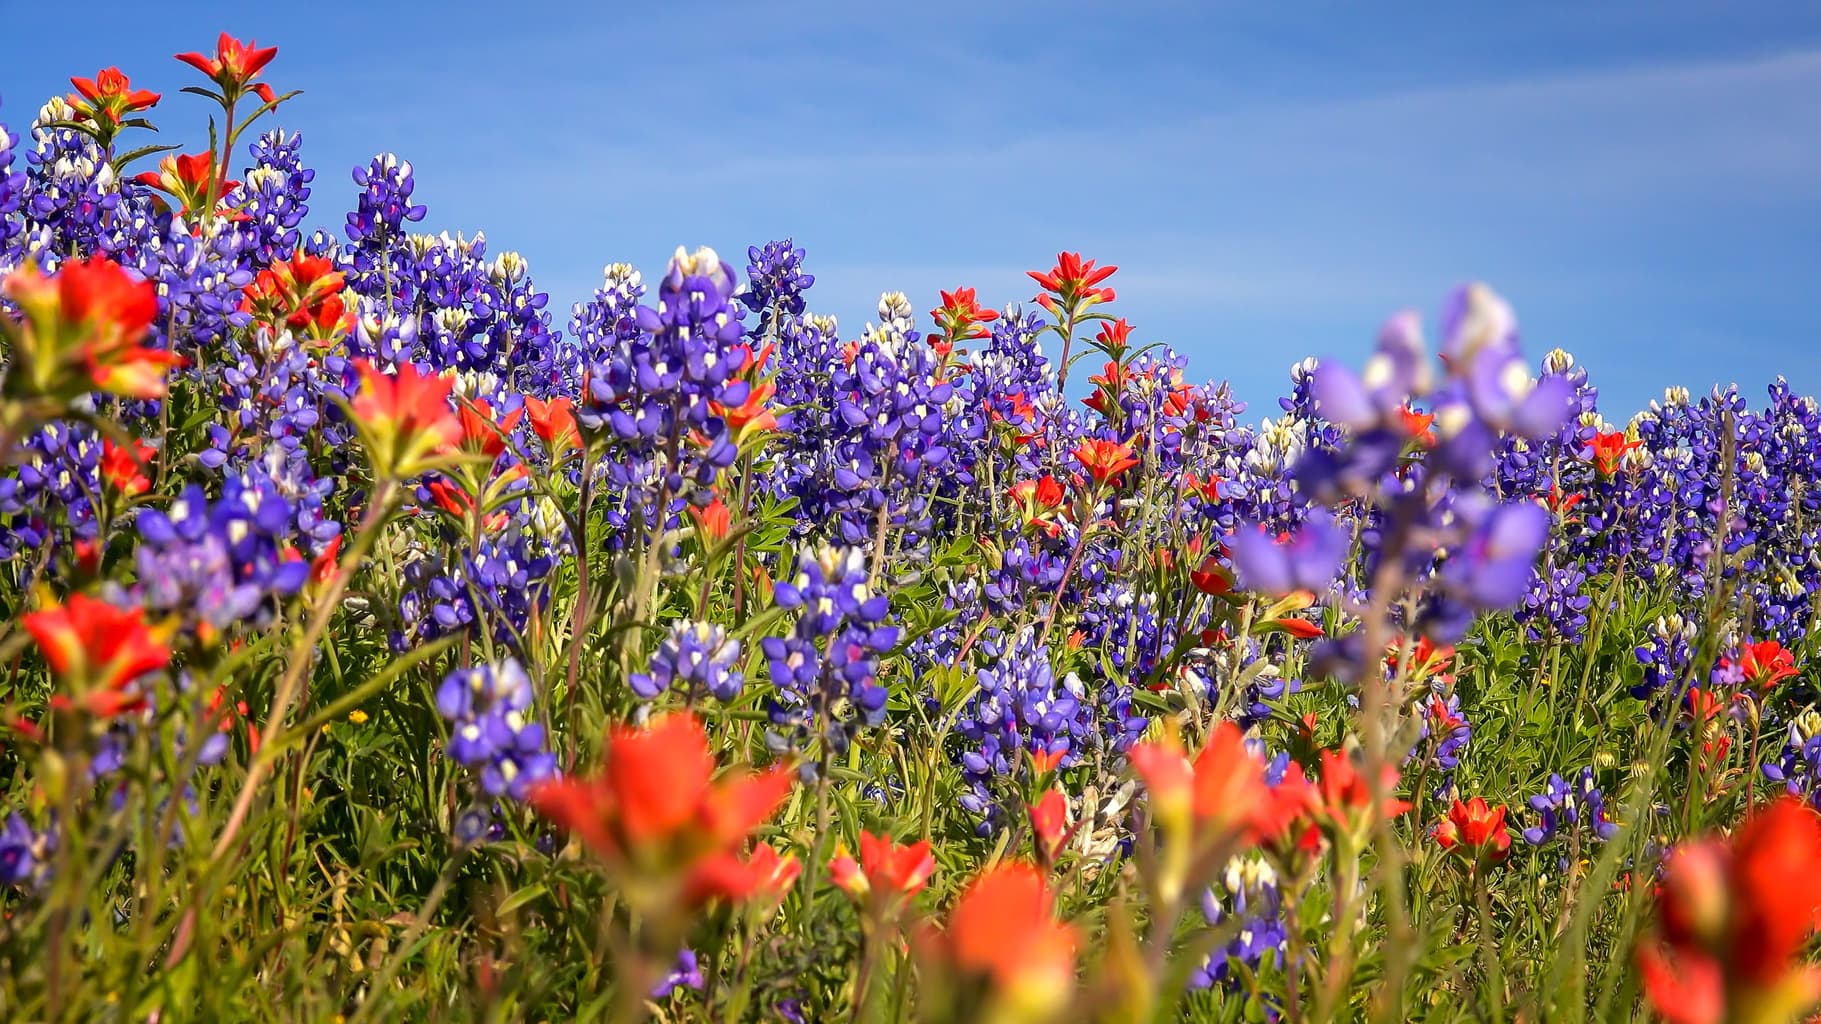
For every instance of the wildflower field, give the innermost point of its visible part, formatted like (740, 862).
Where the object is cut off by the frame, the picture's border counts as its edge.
(380, 644)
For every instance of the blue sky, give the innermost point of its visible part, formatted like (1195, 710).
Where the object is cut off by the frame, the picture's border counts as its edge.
(1643, 181)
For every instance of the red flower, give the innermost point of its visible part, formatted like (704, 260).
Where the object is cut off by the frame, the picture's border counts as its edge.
(234, 65)
(108, 97)
(1683, 990)
(1301, 629)
(1766, 663)
(1070, 286)
(763, 877)
(1050, 823)
(190, 178)
(1426, 657)
(1208, 489)
(1559, 503)
(124, 468)
(323, 566)
(891, 870)
(1734, 917)
(1114, 337)
(554, 422)
(961, 317)
(1343, 791)
(712, 520)
(751, 417)
(1476, 829)
(405, 417)
(1211, 577)
(99, 651)
(1221, 792)
(1104, 460)
(1419, 426)
(81, 330)
(302, 293)
(1003, 927)
(482, 431)
(655, 811)
(1608, 449)
(1037, 502)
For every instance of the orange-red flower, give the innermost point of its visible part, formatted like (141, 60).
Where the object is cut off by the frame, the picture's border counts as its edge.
(1050, 824)
(234, 66)
(1419, 426)
(763, 877)
(1114, 337)
(1037, 503)
(1108, 386)
(1343, 792)
(97, 651)
(1210, 577)
(323, 566)
(1609, 449)
(108, 97)
(656, 814)
(554, 422)
(1766, 664)
(1104, 460)
(301, 293)
(483, 432)
(1734, 916)
(81, 331)
(893, 871)
(751, 417)
(124, 468)
(1475, 829)
(960, 317)
(190, 178)
(405, 418)
(1559, 503)
(1004, 928)
(713, 520)
(1072, 285)
(1201, 806)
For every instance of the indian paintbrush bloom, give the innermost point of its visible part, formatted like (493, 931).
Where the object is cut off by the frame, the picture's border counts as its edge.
(98, 652)
(1733, 916)
(234, 66)
(886, 871)
(1104, 460)
(123, 469)
(1476, 831)
(1608, 449)
(1072, 285)
(82, 331)
(1003, 929)
(1766, 663)
(1050, 823)
(189, 178)
(656, 814)
(1204, 806)
(405, 419)
(106, 99)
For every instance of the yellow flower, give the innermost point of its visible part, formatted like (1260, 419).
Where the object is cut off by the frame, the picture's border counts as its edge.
(357, 716)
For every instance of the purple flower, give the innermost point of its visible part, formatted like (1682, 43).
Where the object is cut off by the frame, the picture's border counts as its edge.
(697, 658)
(486, 707)
(686, 974)
(22, 852)
(1493, 568)
(1375, 398)
(1307, 560)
